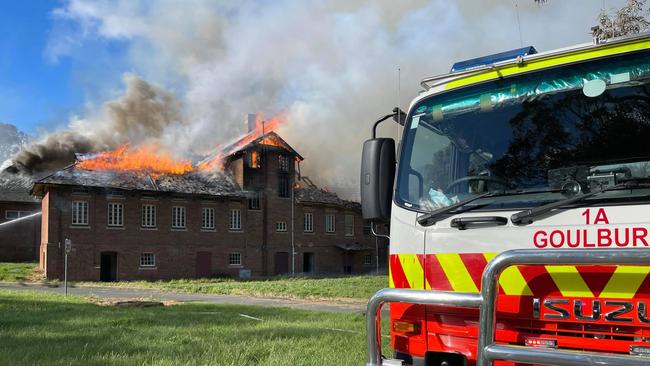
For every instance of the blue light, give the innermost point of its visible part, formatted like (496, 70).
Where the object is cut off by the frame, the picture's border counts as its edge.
(492, 59)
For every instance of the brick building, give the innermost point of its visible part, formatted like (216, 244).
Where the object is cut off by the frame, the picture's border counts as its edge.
(19, 223)
(244, 221)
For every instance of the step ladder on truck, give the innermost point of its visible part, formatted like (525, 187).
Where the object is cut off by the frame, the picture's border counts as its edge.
(519, 212)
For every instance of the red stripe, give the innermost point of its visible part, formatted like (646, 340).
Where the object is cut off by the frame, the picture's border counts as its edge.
(435, 275)
(396, 271)
(644, 290)
(539, 281)
(475, 264)
(596, 277)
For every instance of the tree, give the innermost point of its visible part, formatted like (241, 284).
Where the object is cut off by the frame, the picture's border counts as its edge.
(630, 19)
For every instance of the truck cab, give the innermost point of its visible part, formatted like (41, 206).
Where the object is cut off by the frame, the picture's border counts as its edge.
(522, 150)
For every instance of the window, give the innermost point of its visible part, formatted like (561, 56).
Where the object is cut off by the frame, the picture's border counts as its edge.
(79, 213)
(281, 226)
(115, 214)
(254, 159)
(207, 218)
(234, 259)
(148, 216)
(349, 225)
(79, 191)
(367, 259)
(254, 201)
(235, 219)
(178, 217)
(308, 225)
(367, 229)
(147, 260)
(330, 223)
(13, 214)
(283, 185)
(283, 163)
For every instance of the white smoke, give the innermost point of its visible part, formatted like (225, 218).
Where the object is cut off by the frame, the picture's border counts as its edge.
(331, 64)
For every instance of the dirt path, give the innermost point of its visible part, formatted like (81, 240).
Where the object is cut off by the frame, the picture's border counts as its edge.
(122, 293)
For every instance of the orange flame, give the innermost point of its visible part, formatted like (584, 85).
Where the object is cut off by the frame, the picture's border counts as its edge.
(148, 159)
(262, 127)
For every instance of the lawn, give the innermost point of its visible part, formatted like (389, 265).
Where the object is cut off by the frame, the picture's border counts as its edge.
(16, 272)
(348, 288)
(351, 288)
(36, 328)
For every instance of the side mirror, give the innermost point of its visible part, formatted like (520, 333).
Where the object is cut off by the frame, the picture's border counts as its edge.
(377, 177)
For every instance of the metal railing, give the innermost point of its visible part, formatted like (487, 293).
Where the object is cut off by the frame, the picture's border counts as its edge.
(488, 351)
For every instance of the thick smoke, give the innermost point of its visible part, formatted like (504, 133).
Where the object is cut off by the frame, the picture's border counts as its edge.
(331, 64)
(141, 115)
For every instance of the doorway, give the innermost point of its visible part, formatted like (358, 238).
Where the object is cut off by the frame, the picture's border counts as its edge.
(108, 267)
(348, 260)
(308, 262)
(281, 263)
(203, 264)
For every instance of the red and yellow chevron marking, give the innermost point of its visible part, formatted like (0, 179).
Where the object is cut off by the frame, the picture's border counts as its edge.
(461, 272)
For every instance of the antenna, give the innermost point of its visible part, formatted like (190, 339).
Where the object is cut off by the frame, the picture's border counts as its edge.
(399, 107)
(521, 38)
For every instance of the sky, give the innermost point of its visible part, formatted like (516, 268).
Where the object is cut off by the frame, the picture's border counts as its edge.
(331, 66)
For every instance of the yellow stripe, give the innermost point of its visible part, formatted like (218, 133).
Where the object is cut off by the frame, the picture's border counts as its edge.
(551, 61)
(413, 270)
(625, 281)
(569, 281)
(456, 272)
(391, 283)
(511, 280)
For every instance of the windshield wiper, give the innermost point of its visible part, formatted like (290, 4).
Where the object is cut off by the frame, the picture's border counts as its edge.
(526, 217)
(432, 217)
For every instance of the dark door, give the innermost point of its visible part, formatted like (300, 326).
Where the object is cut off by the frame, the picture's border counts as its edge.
(347, 263)
(203, 264)
(108, 267)
(281, 263)
(308, 262)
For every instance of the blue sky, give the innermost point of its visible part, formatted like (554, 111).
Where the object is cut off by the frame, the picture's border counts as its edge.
(37, 91)
(32, 90)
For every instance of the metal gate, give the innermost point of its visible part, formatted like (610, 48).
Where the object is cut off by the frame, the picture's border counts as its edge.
(485, 301)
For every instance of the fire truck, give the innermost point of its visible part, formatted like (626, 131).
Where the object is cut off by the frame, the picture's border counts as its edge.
(519, 208)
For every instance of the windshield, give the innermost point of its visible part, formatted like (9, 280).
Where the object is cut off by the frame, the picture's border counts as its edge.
(572, 129)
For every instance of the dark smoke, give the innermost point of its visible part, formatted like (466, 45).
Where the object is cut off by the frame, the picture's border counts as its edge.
(140, 115)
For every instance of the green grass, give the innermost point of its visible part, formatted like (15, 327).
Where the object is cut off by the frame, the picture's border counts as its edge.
(352, 288)
(16, 272)
(41, 329)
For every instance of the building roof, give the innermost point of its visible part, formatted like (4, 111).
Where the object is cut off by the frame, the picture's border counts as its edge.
(194, 182)
(248, 142)
(312, 194)
(16, 187)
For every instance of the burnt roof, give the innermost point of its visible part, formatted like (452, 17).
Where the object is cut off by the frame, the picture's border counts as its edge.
(269, 139)
(312, 194)
(194, 182)
(16, 187)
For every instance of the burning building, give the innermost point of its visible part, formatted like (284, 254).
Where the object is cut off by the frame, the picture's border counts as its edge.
(242, 211)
